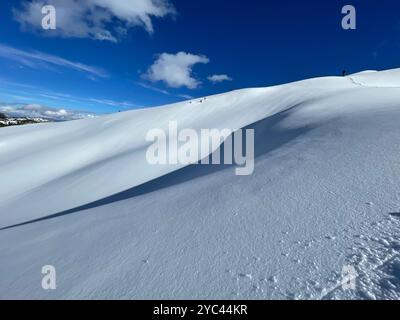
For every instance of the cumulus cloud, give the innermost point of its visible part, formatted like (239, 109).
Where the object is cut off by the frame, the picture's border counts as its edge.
(39, 111)
(96, 19)
(219, 78)
(175, 70)
(36, 59)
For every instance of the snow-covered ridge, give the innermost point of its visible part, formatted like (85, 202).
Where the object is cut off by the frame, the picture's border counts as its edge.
(107, 155)
(324, 195)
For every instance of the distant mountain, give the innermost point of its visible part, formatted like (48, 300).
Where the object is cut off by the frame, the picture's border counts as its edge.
(37, 111)
(6, 121)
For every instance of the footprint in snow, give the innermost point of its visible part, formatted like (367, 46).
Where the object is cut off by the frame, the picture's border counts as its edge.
(246, 275)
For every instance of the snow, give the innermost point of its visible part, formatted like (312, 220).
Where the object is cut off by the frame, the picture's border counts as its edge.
(81, 196)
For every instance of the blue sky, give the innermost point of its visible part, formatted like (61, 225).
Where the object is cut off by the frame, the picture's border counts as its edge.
(110, 55)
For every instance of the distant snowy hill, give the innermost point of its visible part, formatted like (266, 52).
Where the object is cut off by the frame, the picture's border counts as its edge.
(324, 195)
(37, 111)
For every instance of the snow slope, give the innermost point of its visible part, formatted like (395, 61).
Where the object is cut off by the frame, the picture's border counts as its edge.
(81, 196)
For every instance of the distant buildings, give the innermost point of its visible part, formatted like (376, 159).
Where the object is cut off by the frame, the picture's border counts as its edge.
(6, 122)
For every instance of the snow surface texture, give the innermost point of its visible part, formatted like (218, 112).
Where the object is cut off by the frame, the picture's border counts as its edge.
(80, 196)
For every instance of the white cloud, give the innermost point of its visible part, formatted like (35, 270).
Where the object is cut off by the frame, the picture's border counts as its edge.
(40, 111)
(167, 93)
(36, 59)
(219, 78)
(175, 70)
(147, 86)
(96, 19)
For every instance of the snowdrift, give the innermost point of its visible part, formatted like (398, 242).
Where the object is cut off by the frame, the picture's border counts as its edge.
(81, 195)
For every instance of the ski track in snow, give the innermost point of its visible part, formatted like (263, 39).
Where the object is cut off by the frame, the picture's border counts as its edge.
(377, 263)
(324, 194)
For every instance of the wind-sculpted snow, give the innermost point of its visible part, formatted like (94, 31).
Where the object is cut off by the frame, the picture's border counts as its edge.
(81, 196)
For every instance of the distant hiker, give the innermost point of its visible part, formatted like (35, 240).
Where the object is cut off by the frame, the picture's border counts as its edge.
(343, 73)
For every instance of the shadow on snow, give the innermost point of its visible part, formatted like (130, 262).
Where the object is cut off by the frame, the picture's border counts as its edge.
(267, 137)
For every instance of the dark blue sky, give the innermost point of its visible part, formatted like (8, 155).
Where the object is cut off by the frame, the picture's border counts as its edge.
(254, 42)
